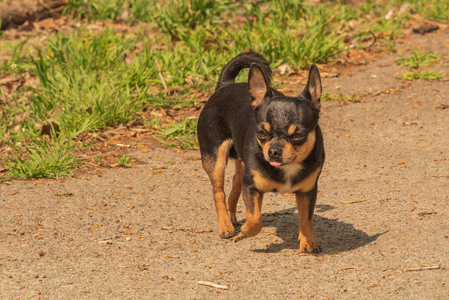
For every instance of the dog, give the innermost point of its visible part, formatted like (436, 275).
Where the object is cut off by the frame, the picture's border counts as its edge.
(275, 140)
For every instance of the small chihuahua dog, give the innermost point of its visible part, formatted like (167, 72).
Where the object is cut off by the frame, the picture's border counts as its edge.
(275, 141)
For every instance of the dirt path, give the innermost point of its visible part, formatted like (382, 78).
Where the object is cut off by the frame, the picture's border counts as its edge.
(151, 232)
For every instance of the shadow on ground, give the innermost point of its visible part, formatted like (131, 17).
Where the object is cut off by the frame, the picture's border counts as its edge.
(333, 236)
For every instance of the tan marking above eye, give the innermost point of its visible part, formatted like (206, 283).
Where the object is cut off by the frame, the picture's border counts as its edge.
(291, 129)
(267, 126)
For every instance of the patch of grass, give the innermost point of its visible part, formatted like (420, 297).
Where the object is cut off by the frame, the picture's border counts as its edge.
(340, 97)
(425, 75)
(124, 161)
(51, 158)
(86, 84)
(420, 58)
(391, 26)
(181, 134)
(437, 10)
(18, 51)
(176, 17)
(112, 10)
(298, 44)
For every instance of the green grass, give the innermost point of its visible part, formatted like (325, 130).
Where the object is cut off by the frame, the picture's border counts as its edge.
(340, 97)
(86, 84)
(111, 10)
(424, 75)
(124, 161)
(90, 80)
(51, 158)
(420, 58)
(177, 17)
(19, 52)
(437, 10)
(181, 134)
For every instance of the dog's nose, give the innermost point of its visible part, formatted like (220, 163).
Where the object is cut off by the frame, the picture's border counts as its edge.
(275, 152)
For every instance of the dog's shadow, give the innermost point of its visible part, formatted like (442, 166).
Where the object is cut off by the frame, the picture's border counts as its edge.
(333, 236)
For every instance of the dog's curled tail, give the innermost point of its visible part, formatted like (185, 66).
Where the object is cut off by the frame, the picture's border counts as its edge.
(242, 61)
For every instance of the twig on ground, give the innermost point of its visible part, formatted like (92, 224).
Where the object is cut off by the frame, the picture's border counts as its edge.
(423, 268)
(214, 285)
(351, 202)
(178, 228)
(350, 269)
(424, 213)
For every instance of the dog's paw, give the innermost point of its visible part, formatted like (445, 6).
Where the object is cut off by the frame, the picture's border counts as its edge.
(237, 238)
(312, 247)
(226, 235)
(225, 228)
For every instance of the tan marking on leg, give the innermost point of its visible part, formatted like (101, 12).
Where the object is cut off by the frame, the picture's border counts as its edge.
(222, 158)
(236, 190)
(253, 204)
(216, 170)
(307, 242)
(291, 129)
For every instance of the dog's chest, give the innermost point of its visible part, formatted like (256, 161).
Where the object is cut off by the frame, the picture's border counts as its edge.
(288, 185)
(290, 173)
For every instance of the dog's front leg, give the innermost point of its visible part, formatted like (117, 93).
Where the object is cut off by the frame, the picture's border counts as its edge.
(253, 224)
(306, 206)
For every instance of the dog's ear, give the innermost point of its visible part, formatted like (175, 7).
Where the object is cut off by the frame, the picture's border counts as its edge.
(312, 91)
(257, 85)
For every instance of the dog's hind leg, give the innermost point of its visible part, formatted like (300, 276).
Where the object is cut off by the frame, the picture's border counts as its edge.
(253, 224)
(215, 168)
(236, 190)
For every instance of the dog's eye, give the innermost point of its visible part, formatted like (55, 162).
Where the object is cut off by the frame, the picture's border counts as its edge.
(297, 136)
(261, 134)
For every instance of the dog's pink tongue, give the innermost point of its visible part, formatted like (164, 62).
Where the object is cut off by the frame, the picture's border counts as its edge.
(275, 163)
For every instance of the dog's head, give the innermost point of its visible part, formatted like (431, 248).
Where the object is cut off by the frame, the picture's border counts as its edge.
(286, 126)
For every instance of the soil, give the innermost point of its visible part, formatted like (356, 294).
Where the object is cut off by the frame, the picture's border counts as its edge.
(150, 231)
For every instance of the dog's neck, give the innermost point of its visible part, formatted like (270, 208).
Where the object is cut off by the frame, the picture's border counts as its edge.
(290, 172)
